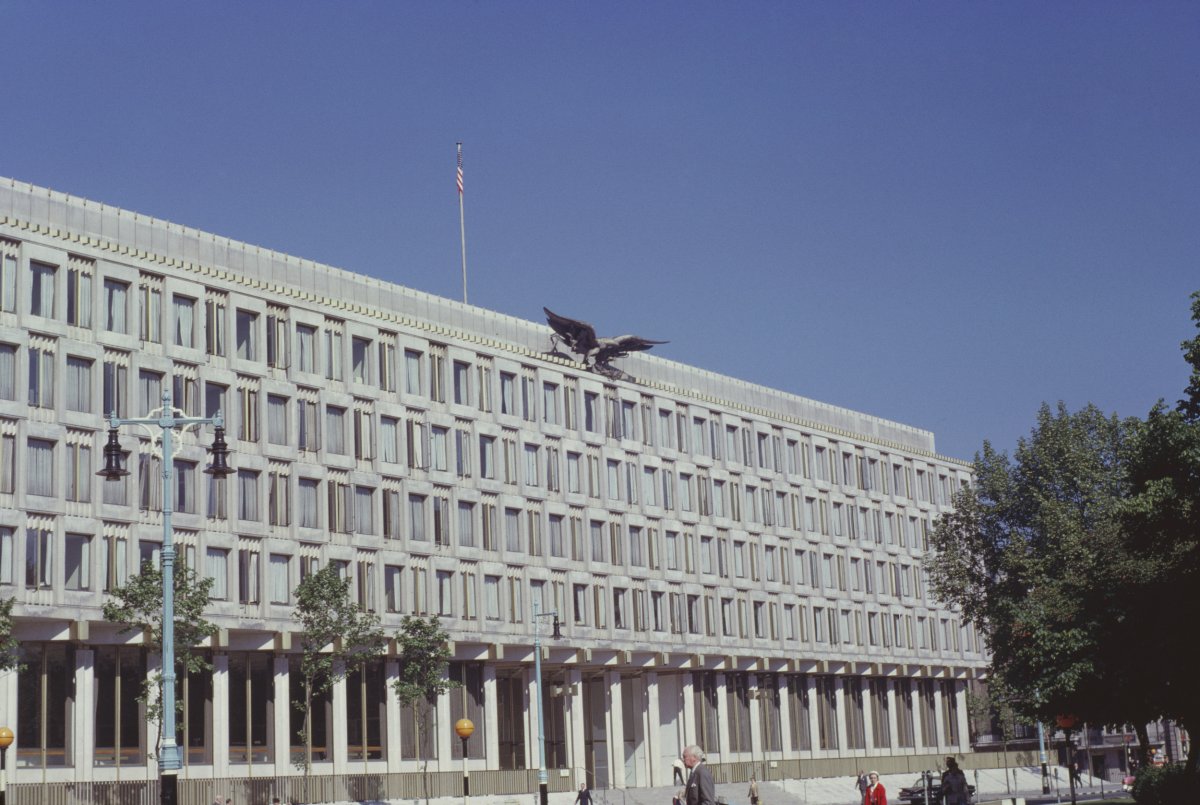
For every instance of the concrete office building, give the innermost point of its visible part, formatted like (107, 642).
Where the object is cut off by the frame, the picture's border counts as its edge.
(733, 566)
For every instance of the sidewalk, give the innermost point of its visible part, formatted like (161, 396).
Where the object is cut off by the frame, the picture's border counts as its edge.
(991, 784)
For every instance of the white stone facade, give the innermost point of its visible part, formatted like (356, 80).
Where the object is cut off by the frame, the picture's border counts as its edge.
(732, 565)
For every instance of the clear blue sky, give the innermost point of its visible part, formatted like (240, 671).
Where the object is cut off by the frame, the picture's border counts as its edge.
(939, 213)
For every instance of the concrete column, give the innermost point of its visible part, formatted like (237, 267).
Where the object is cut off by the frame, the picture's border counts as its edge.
(868, 716)
(785, 718)
(893, 715)
(687, 719)
(220, 736)
(722, 724)
(960, 696)
(574, 718)
(654, 760)
(756, 745)
(339, 738)
(491, 718)
(9, 702)
(814, 724)
(393, 752)
(83, 745)
(939, 717)
(839, 698)
(616, 728)
(444, 736)
(283, 716)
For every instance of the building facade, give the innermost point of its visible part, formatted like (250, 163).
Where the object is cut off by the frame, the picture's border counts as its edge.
(731, 565)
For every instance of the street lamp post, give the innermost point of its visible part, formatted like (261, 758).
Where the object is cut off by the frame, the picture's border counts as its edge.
(167, 419)
(1042, 758)
(6, 739)
(543, 778)
(465, 727)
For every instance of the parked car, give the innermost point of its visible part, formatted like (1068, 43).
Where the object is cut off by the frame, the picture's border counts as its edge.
(915, 793)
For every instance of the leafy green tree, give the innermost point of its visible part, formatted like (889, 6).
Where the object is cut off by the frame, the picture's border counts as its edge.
(1033, 554)
(1161, 523)
(137, 606)
(424, 654)
(335, 636)
(10, 658)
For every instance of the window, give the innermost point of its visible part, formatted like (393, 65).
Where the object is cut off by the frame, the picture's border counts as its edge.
(183, 309)
(185, 486)
(78, 561)
(308, 418)
(8, 280)
(416, 518)
(248, 411)
(116, 384)
(360, 360)
(248, 575)
(214, 327)
(335, 429)
(79, 382)
(309, 503)
(277, 338)
(79, 296)
(39, 539)
(412, 372)
(40, 480)
(508, 393)
(248, 495)
(364, 510)
(41, 290)
(247, 335)
(306, 348)
(277, 419)
(150, 307)
(278, 497)
(115, 301)
(7, 551)
(462, 383)
(217, 569)
(279, 580)
(41, 373)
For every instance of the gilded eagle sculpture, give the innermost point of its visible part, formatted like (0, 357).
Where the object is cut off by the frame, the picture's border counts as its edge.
(596, 354)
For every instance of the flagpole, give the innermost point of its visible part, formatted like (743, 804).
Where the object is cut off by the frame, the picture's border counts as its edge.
(462, 223)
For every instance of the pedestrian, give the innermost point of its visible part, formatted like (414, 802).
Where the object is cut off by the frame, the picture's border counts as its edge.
(680, 772)
(1076, 778)
(753, 793)
(875, 794)
(861, 783)
(700, 788)
(954, 784)
(584, 797)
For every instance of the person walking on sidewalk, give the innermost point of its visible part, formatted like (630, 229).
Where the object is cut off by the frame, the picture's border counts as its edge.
(875, 794)
(954, 784)
(700, 787)
(753, 792)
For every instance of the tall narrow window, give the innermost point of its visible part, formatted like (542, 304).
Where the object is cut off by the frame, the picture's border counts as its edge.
(8, 277)
(40, 479)
(79, 382)
(183, 314)
(277, 338)
(150, 306)
(41, 372)
(247, 335)
(79, 295)
(306, 348)
(41, 289)
(116, 301)
(360, 360)
(214, 326)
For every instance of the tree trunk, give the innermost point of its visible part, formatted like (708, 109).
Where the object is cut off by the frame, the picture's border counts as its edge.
(1143, 746)
(307, 738)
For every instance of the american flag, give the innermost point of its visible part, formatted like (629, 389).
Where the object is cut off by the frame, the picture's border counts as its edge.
(460, 183)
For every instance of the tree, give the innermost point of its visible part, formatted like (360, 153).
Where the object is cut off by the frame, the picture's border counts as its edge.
(138, 606)
(1161, 519)
(10, 657)
(424, 655)
(335, 635)
(1033, 555)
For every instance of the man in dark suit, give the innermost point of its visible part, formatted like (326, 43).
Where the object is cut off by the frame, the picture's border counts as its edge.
(700, 787)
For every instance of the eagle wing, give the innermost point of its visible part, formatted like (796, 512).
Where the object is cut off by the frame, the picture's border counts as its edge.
(578, 335)
(622, 345)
